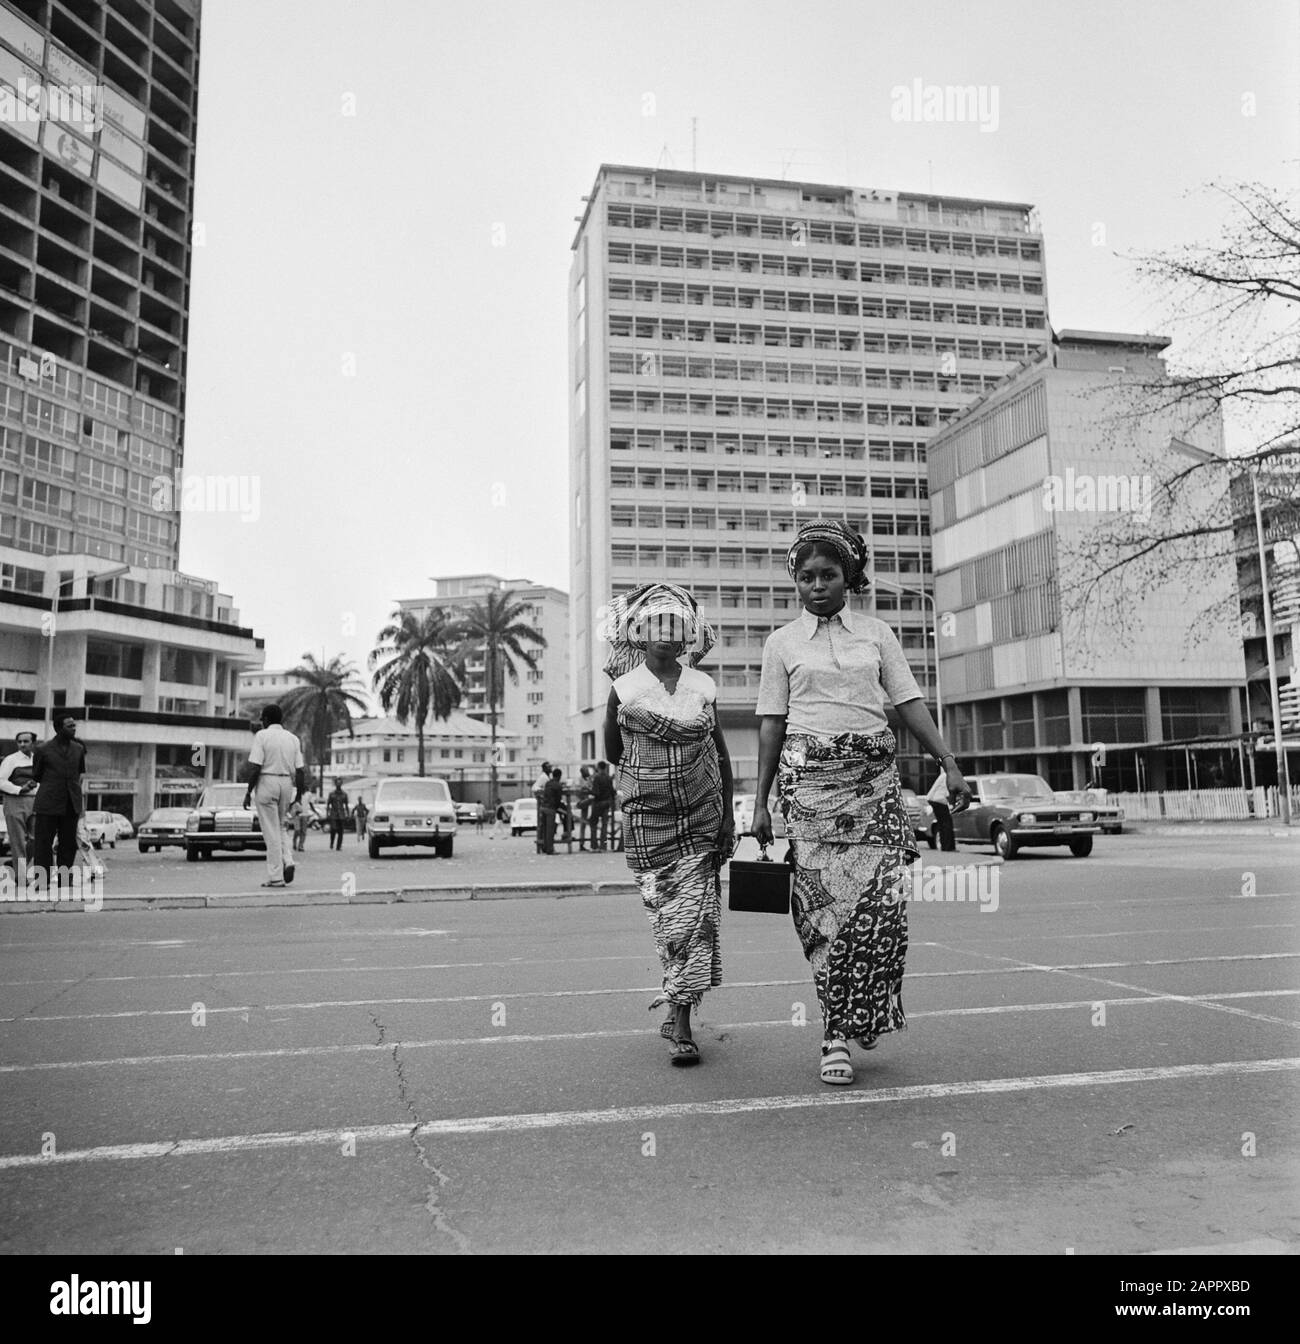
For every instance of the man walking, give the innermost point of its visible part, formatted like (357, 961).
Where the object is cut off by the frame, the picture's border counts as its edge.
(582, 800)
(539, 796)
(277, 778)
(361, 812)
(58, 767)
(336, 813)
(19, 789)
(602, 805)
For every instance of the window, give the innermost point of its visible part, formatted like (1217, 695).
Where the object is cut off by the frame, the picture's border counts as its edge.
(1114, 714)
(107, 658)
(1193, 712)
(46, 498)
(401, 755)
(100, 513)
(183, 665)
(39, 455)
(20, 579)
(1020, 720)
(1056, 718)
(104, 476)
(388, 755)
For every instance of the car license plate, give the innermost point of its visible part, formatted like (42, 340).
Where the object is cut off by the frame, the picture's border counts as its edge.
(414, 821)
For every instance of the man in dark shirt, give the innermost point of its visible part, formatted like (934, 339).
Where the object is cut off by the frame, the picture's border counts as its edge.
(336, 813)
(602, 805)
(552, 803)
(57, 768)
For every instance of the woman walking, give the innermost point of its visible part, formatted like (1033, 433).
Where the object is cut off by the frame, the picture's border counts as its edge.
(825, 741)
(661, 730)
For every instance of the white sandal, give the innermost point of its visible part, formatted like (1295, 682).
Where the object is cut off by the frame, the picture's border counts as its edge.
(836, 1068)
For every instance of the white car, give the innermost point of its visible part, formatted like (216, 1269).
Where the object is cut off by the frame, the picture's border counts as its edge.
(411, 810)
(102, 829)
(125, 830)
(742, 810)
(523, 816)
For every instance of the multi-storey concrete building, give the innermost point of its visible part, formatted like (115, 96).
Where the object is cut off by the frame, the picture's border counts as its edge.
(97, 133)
(535, 709)
(746, 354)
(1036, 676)
(263, 686)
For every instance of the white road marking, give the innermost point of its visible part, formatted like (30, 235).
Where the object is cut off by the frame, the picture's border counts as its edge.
(499, 1124)
(1014, 968)
(363, 1047)
(645, 958)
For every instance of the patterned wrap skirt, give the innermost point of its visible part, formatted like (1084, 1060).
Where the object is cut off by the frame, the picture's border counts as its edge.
(853, 848)
(672, 812)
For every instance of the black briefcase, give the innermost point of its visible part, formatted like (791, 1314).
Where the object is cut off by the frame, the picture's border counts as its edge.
(761, 885)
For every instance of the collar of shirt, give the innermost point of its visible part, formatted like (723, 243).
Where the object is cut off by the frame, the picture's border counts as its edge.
(810, 622)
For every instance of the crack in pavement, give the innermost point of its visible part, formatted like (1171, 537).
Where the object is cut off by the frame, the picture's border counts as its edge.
(440, 1178)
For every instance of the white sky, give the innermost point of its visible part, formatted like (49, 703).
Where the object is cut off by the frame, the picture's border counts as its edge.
(371, 235)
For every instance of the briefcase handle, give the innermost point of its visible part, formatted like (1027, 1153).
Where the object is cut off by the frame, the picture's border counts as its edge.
(763, 855)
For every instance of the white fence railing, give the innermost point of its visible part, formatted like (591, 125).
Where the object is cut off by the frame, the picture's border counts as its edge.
(1204, 804)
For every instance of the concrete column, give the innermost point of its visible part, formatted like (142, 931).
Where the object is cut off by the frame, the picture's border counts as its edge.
(1154, 728)
(146, 779)
(149, 676)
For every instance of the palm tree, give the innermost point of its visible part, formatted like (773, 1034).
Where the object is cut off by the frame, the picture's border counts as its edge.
(415, 670)
(493, 629)
(323, 704)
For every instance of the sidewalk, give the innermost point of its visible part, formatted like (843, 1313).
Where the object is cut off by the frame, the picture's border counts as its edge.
(1267, 826)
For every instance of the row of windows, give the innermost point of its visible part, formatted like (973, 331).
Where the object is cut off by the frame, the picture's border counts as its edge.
(70, 425)
(670, 329)
(652, 365)
(21, 579)
(764, 445)
(704, 520)
(705, 558)
(777, 483)
(840, 305)
(397, 755)
(803, 232)
(59, 501)
(798, 264)
(110, 658)
(817, 411)
(52, 459)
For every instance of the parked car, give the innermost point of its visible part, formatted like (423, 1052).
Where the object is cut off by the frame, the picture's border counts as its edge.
(410, 810)
(523, 816)
(163, 826)
(125, 830)
(1011, 812)
(1110, 816)
(219, 820)
(102, 829)
(742, 810)
(921, 816)
(469, 812)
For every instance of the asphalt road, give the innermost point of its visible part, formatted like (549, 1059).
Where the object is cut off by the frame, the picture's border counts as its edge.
(1106, 1063)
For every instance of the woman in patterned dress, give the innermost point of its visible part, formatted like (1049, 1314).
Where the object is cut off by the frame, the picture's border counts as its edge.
(661, 731)
(826, 742)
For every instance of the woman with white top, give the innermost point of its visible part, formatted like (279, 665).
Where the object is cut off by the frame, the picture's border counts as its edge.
(826, 742)
(661, 731)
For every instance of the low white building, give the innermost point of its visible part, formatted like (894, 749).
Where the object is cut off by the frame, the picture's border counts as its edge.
(457, 749)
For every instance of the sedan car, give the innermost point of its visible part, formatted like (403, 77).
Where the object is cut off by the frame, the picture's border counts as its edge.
(1110, 816)
(125, 830)
(163, 826)
(219, 820)
(523, 816)
(1011, 812)
(102, 829)
(469, 812)
(411, 810)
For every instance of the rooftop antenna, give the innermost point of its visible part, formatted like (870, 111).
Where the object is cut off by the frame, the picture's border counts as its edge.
(665, 153)
(791, 157)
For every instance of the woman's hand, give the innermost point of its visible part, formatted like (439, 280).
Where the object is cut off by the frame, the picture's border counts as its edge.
(959, 792)
(727, 837)
(761, 827)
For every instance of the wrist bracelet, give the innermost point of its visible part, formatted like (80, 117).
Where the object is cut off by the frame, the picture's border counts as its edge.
(947, 756)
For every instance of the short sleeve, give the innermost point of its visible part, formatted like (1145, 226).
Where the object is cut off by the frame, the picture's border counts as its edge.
(702, 684)
(774, 683)
(258, 755)
(895, 676)
(298, 762)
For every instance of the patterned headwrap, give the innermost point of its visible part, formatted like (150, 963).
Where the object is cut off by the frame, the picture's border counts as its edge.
(653, 612)
(843, 540)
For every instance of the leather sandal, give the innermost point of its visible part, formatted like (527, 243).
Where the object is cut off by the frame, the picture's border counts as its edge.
(684, 1051)
(836, 1068)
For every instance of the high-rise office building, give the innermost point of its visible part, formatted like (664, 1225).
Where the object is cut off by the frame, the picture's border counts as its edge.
(97, 134)
(747, 354)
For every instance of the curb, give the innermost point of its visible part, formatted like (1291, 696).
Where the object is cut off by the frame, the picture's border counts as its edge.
(498, 891)
(1213, 828)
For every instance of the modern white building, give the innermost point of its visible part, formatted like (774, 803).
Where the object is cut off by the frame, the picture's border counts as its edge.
(1036, 676)
(535, 709)
(746, 354)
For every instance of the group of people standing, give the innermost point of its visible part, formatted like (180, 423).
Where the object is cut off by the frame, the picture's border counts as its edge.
(592, 799)
(43, 787)
(826, 745)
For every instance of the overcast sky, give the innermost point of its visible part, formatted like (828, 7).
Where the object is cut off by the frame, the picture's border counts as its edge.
(386, 195)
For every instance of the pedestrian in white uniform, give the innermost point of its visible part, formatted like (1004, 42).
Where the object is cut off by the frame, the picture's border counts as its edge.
(277, 780)
(19, 789)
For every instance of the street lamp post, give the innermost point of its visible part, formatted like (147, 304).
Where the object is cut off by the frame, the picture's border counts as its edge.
(1283, 773)
(934, 611)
